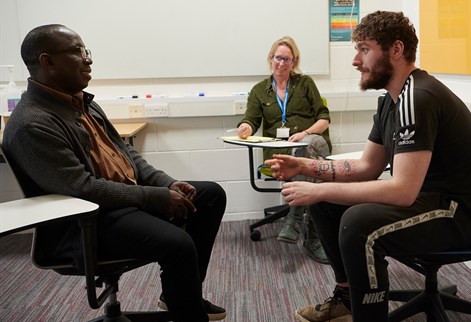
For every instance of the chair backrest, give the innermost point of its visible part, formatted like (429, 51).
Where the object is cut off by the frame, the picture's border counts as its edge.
(33, 213)
(324, 100)
(10, 187)
(38, 259)
(25, 213)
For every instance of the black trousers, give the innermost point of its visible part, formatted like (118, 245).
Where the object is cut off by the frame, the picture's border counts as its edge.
(183, 255)
(357, 239)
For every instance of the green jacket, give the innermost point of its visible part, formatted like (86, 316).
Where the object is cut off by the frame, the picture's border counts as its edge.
(304, 107)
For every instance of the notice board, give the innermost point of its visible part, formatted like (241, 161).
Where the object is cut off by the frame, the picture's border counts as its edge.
(445, 36)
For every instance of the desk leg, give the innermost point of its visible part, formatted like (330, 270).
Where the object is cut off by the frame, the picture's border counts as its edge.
(130, 140)
(252, 176)
(255, 234)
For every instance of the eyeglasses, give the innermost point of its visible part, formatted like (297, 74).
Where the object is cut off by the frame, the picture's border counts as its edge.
(286, 60)
(85, 53)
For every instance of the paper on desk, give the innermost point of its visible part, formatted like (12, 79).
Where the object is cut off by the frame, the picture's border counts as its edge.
(253, 139)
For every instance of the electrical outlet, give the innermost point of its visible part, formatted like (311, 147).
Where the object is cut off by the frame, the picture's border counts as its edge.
(240, 107)
(156, 110)
(136, 111)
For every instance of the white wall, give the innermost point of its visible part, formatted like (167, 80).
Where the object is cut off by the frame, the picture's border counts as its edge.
(188, 148)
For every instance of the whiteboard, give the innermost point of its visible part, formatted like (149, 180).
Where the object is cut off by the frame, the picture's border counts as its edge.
(183, 38)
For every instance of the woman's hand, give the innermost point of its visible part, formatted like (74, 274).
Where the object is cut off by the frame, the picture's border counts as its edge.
(244, 131)
(296, 137)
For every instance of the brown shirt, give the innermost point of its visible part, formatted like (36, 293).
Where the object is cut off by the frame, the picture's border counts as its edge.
(108, 162)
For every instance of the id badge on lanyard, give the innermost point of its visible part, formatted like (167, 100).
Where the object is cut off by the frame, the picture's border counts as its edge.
(282, 132)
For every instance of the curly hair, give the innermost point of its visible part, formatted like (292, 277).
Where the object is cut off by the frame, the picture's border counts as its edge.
(386, 27)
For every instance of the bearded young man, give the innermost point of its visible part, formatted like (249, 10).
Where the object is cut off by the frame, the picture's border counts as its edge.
(420, 129)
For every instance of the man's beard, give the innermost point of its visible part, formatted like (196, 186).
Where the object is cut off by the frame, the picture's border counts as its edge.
(379, 75)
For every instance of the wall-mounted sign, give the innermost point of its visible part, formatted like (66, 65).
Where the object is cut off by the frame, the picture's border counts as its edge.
(343, 19)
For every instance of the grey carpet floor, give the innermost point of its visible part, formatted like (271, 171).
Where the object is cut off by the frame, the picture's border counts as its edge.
(255, 281)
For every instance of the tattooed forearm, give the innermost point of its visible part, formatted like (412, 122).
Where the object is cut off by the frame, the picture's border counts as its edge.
(345, 168)
(331, 170)
(321, 168)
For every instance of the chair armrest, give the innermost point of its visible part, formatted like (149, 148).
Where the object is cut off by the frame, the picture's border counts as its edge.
(37, 211)
(90, 261)
(32, 212)
(52, 209)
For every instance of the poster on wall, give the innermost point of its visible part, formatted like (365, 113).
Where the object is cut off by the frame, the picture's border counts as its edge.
(343, 19)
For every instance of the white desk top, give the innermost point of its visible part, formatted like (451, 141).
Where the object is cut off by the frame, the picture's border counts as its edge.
(344, 156)
(29, 212)
(268, 144)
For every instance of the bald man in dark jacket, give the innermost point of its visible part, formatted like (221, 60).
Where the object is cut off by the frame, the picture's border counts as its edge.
(60, 141)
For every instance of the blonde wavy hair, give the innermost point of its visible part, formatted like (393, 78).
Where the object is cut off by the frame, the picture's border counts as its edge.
(291, 44)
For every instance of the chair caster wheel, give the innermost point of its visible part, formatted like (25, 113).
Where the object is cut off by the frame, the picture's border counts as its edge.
(255, 235)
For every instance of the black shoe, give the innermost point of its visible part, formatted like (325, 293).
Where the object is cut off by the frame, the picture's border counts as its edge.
(215, 313)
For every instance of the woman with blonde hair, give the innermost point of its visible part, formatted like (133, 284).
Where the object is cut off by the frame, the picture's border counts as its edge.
(289, 106)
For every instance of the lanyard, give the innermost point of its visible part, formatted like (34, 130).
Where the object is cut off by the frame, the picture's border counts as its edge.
(282, 105)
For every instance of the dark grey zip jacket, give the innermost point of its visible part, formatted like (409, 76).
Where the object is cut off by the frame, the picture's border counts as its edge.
(49, 150)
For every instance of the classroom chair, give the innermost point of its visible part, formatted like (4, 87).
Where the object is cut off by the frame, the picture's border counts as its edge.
(55, 210)
(431, 300)
(98, 274)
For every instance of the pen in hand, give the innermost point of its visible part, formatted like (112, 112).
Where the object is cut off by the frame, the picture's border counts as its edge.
(232, 130)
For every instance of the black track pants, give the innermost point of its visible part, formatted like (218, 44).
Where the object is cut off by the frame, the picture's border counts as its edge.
(357, 239)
